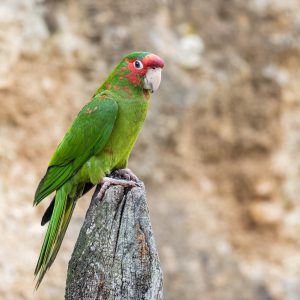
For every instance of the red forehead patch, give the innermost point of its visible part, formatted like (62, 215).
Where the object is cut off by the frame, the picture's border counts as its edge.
(153, 61)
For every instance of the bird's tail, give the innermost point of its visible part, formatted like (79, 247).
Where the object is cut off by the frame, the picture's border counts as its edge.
(62, 212)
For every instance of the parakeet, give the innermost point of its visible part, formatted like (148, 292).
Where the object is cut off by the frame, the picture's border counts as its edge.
(98, 143)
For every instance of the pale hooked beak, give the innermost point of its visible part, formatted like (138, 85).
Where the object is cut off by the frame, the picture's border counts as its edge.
(152, 79)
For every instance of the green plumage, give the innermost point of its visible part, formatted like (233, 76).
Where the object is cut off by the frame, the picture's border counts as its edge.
(89, 133)
(99, 141)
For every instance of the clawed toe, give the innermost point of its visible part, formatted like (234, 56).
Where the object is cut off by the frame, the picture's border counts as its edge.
(108, 181)
(127, 174)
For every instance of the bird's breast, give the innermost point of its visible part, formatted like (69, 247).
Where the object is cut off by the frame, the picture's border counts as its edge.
(129, 122)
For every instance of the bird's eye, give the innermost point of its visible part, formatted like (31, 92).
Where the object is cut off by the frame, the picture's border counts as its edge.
(138, 64)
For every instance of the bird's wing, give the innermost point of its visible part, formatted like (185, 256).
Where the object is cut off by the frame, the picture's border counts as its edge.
(89, 132)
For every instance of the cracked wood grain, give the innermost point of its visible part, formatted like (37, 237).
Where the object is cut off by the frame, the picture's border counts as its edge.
(115, 256)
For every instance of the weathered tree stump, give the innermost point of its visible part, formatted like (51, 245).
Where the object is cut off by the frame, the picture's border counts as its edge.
(115, 256)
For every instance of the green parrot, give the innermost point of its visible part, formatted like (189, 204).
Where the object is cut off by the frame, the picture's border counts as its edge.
(98, 143)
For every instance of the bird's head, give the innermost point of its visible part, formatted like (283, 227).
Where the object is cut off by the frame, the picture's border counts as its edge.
(140, 69)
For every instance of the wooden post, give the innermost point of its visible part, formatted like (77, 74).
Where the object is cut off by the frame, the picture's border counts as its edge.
(115, 256)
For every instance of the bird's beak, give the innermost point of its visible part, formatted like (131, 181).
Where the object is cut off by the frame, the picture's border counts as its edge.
(152, 79)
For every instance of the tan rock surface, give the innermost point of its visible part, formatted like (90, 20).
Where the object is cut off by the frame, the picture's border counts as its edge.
(222, 135)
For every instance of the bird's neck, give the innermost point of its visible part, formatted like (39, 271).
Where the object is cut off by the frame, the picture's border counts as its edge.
(124, 88)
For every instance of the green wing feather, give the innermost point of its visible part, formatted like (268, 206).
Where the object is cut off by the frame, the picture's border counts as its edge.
(89, 133)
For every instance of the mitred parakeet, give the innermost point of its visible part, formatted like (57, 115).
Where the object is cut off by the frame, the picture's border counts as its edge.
(98, 142)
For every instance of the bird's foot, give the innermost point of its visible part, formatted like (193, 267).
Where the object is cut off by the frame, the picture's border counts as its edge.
(127, 174)
(106, 182)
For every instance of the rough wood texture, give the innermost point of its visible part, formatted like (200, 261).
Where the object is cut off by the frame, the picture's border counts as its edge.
(115, 256)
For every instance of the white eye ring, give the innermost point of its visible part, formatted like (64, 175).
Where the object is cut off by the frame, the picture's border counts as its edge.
(138, 64)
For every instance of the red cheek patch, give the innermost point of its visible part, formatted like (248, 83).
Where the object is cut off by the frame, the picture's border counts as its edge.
(134, 73)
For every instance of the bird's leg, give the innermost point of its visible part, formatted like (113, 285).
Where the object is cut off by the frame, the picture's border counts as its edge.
(127, 174)
(106, 182)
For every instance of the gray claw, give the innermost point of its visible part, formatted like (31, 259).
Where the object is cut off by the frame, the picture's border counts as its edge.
(108, 181)
(127, 174)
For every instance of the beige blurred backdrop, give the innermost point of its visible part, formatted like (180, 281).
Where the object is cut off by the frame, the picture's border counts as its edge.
(219, 152)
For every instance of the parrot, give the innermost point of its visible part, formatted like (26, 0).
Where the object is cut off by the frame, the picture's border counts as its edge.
(98, 143)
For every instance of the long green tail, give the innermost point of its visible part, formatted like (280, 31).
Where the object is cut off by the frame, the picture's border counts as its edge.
(62, 212)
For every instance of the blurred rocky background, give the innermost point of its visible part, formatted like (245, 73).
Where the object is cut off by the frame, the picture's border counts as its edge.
(219, 153)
